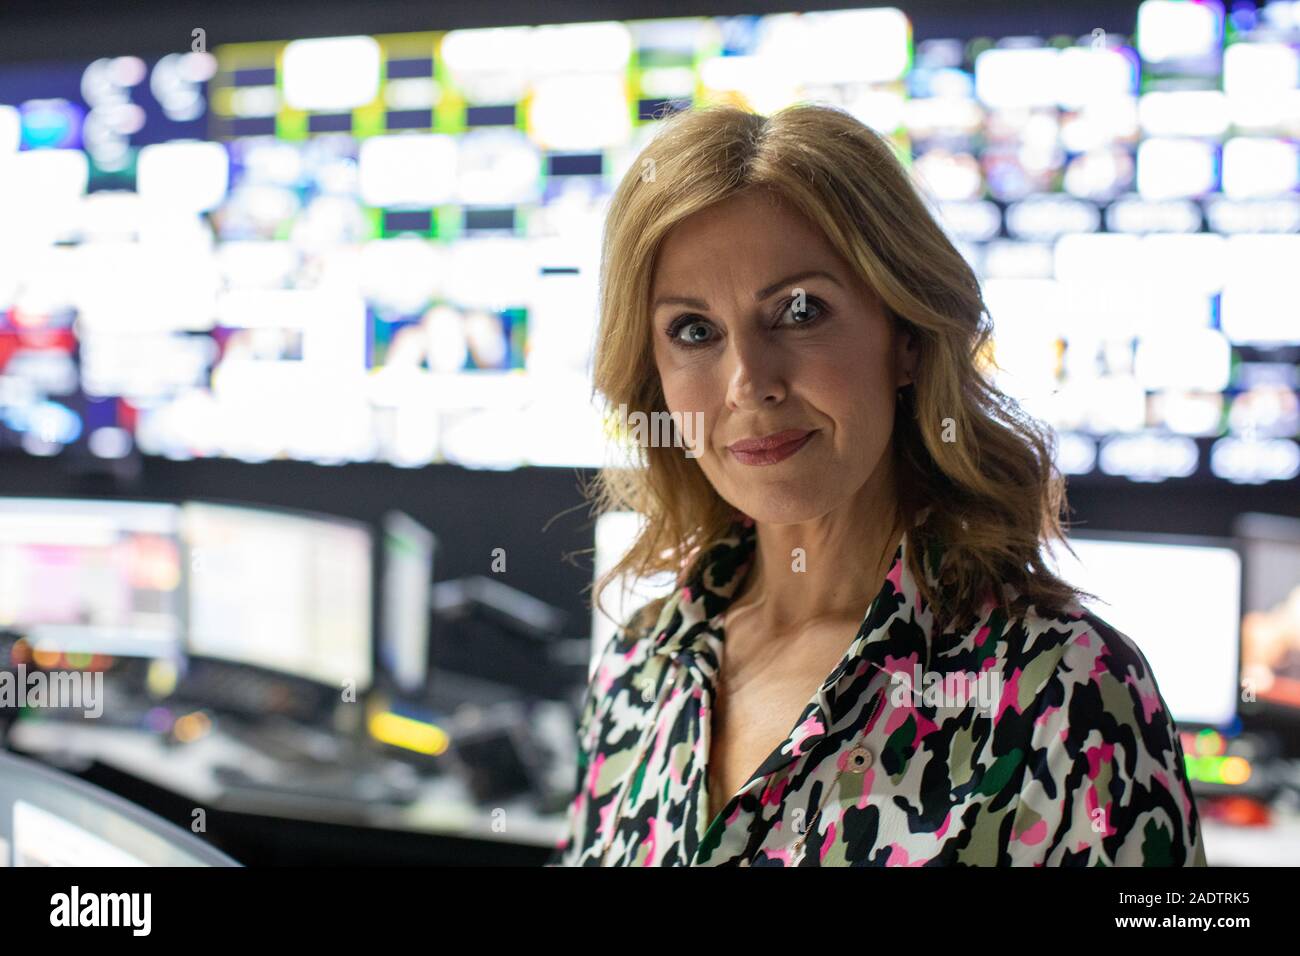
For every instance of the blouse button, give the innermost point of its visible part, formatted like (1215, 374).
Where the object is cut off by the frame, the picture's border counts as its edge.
(859, 760)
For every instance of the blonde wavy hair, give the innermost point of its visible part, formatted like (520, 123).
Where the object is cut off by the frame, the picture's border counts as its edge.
(994, 494)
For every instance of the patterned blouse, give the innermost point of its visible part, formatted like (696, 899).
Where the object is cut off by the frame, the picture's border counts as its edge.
(1026, 741)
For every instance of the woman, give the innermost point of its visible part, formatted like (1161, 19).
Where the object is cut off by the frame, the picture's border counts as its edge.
(867, 660)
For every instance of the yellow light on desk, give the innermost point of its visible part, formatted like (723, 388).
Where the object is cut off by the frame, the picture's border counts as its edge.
(47, 659)
(409, 734)
(191, 727)
(161, 678)
(1235, 770)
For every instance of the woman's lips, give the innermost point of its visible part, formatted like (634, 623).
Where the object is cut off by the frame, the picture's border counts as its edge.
(771, 449)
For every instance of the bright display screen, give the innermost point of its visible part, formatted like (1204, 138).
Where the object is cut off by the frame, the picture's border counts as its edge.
(386, 248)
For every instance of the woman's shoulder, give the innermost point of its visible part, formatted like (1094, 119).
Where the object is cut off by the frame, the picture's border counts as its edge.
(1104, 771)
(622, 662)
(1062, 649)
(633, 641)
(1071, 662)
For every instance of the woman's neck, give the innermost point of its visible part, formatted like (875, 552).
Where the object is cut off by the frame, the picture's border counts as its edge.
(825, 568)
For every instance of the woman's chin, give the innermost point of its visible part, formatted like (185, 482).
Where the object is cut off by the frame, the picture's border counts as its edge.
(769, 511)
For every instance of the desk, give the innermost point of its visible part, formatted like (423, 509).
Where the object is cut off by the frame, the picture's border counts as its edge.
(442, 807)
(1277, 844)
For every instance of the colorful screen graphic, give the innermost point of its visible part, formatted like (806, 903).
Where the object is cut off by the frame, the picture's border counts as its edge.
(385, 248)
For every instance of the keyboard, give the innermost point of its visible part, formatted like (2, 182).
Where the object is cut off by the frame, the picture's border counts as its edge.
(342, 783)
(238, 690)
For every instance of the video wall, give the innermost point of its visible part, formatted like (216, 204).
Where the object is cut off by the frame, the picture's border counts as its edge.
(385, 248)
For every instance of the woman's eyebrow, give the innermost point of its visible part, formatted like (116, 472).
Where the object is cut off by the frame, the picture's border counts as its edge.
(765, 293)
(769, 291)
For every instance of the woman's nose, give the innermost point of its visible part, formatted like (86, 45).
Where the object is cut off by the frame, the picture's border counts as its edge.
(756, 378)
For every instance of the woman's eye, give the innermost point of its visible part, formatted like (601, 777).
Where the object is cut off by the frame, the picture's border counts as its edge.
(690, 332)
(810, 312)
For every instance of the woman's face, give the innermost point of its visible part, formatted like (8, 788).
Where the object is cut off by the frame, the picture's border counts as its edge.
(733, 344)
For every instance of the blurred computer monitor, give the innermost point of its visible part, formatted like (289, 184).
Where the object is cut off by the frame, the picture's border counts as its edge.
(1192, 647)
(50, 818)
(404, 618)
(1270, 626)
(616, 531)
(282, 590)
(1178, 598)
(97, 577)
